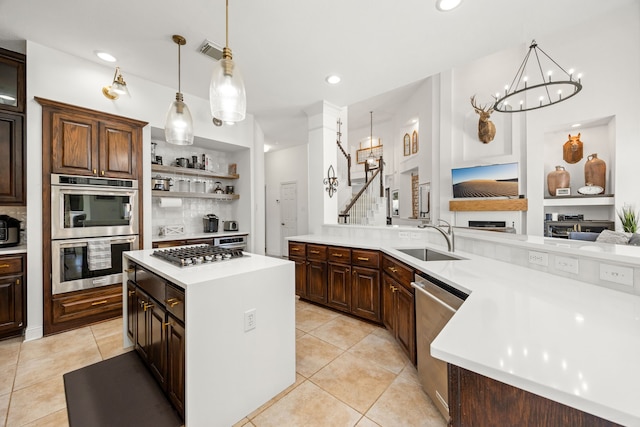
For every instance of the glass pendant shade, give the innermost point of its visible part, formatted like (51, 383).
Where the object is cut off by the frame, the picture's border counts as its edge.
(120, 87)
(178, 126)
(227, 96)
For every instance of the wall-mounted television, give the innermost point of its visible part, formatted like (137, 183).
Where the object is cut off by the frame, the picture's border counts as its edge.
(486, 181)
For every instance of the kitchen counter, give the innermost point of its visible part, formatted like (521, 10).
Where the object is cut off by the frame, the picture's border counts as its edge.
(20, 249)
(571, 342)
(230, 370)
(198, 236)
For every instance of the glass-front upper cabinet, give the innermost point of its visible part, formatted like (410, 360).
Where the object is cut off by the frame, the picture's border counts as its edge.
(12, 81)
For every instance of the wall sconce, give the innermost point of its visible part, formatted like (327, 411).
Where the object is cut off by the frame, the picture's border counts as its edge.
(117, 88)
(331, 181)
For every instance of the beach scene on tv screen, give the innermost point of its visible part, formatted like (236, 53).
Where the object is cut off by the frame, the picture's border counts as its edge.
(486, 181)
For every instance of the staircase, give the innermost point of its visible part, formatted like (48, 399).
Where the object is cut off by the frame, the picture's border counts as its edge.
(368, 206)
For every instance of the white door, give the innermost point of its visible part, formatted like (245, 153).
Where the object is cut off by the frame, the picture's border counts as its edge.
(288, 214)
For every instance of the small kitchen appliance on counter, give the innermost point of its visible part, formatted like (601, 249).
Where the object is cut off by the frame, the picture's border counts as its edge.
(210, 223)
(9, 231)
(230, 225)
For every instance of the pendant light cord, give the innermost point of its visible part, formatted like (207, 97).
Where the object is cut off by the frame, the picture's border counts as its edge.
(227, 26)
(371, 136)
(179, 89)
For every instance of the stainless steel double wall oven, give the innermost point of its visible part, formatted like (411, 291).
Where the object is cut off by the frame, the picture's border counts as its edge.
(93, 221)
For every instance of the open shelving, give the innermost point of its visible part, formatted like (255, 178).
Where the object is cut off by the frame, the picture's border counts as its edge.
(191, 172)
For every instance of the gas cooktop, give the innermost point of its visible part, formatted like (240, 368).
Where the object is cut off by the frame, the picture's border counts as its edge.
(196, 255)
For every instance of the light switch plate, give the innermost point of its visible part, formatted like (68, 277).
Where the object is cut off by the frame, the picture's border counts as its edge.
(570, 265)
(616, 274)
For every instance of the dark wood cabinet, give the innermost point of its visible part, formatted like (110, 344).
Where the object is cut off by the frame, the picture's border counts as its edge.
(339, 287)
(12, 295)
(71, 309)
(476, 400)
(13, 77)
(298, 254)
(181, 242)
(86, 144)
(365, 293)
(317, 281)
(399, 304)
(12, 160)
(158, 308)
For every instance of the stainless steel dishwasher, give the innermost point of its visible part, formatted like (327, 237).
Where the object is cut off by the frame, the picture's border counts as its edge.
(436, 303)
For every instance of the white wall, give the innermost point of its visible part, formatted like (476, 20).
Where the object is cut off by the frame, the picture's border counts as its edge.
(57, 76)
(285, 166)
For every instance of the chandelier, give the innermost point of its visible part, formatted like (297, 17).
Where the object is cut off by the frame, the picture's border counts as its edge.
(558, 85)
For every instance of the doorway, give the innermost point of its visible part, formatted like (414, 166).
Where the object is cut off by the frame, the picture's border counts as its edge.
(288, 214)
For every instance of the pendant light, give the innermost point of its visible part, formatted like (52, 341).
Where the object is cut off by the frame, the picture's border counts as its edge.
(178, 126)
(227, 96)
(371, 158)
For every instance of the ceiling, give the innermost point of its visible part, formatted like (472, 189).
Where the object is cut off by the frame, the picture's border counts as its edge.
(285, 48)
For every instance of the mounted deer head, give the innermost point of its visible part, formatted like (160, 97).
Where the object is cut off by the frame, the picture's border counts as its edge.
(486, 128)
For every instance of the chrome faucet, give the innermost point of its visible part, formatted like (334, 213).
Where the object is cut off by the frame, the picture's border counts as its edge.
(448, 235)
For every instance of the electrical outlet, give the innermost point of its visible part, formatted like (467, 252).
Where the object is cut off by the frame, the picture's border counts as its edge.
(616, 274)
(403, 234)
(415, 236)
(539, 258)
(249, 319)
(570, 265)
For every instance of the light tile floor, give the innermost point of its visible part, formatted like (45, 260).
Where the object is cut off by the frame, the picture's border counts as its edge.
(349, 373)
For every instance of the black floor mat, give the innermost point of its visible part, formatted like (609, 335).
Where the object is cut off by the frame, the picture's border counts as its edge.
(117, 392)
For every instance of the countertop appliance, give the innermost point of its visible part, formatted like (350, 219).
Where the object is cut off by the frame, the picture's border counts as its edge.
(210, 223)
(230, 225)
(195, 255)
(436, 303)
(160, 183)
(9, 231)
(231, 242)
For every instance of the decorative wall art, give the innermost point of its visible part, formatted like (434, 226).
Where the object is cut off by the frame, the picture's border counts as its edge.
(414, 142)
(331, 181)
(363, 153)
(486, 128)
(572, 149)
(407, 144)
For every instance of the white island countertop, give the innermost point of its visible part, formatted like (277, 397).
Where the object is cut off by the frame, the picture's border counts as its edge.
(568, 341)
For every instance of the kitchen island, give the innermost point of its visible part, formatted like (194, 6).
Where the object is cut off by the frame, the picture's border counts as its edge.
(238, 330)
(567, 341)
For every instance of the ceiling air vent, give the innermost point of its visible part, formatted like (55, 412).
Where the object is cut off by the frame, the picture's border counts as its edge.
(211, 49)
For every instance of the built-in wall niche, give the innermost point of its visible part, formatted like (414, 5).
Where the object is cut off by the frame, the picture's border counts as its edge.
(597, 137)
(502, 144)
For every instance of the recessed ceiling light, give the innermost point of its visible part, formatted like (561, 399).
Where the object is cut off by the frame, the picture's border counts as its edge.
(447, 5)
(105, 56)
(333, 79)
(576, 125)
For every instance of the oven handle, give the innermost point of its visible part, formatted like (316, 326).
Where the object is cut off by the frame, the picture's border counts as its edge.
(83, 243)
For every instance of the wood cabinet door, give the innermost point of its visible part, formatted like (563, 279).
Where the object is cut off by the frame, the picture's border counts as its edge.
(365, 293)
(175, 363)
(119, 145)
(12, 191)
(132, 312)
(406, 322)
(140, 334)
(11, 304)
(388, 303)
(317, 281)
(339, 287)
(74, 144)
(157, 342)
(301, 276)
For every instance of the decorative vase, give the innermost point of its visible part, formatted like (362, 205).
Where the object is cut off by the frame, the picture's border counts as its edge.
(595, 171)
(558, 178)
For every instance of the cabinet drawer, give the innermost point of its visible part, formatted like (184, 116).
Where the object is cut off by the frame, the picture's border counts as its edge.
(175, 302)
(11, 264)
(397, 270)
(168, 244)
(297, 249)
(339, 255)
(365, 258)
(317, 252)
(85, 304)
(151, 284)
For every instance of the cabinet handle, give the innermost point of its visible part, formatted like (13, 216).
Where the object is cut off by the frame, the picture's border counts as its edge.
(360, 258)
(130, 270)
(102, 173)
(147, 306)
(4, 265)
(99, 302)
(173, 302)
(314, 252)
(17, 282)
(393, 288)
(295, 249)
(337, 255)
(166, 324)
(393, 269)
(130, 293)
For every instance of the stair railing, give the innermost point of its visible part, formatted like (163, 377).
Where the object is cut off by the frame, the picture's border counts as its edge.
(366, 197)
(347, 156)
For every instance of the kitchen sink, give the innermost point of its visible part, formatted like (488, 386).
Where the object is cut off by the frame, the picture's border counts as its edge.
(425, 254)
